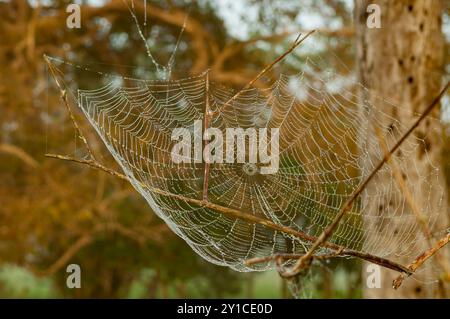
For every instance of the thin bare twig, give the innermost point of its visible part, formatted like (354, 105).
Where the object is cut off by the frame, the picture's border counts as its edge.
(420, 260)
(66, 103)
(250, 218)
(328, 231)
(206, 122)
(296, 43)
(258, 260)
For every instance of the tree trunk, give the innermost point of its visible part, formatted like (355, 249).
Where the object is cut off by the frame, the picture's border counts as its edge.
(402, 62)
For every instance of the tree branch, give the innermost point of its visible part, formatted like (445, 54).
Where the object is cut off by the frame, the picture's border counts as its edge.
(235, 47)
(66, 103)
(80, 243)
(420, 260)
(258, 260)
(250, 218)
(88, 238)
(19, 153)
(207, 117)
(296, 43)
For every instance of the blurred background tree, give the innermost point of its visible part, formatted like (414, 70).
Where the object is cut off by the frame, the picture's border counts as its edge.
(54, 213)
(403, 61)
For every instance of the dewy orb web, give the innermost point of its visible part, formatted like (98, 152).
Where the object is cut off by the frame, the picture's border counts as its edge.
(330, 141)
(322, 160)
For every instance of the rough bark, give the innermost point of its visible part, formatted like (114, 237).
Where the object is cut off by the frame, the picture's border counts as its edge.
(403, 62)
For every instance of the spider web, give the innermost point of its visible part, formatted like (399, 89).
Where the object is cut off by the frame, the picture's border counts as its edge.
(329, 143)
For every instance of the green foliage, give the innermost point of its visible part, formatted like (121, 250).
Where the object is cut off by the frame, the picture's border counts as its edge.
(17, 282)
